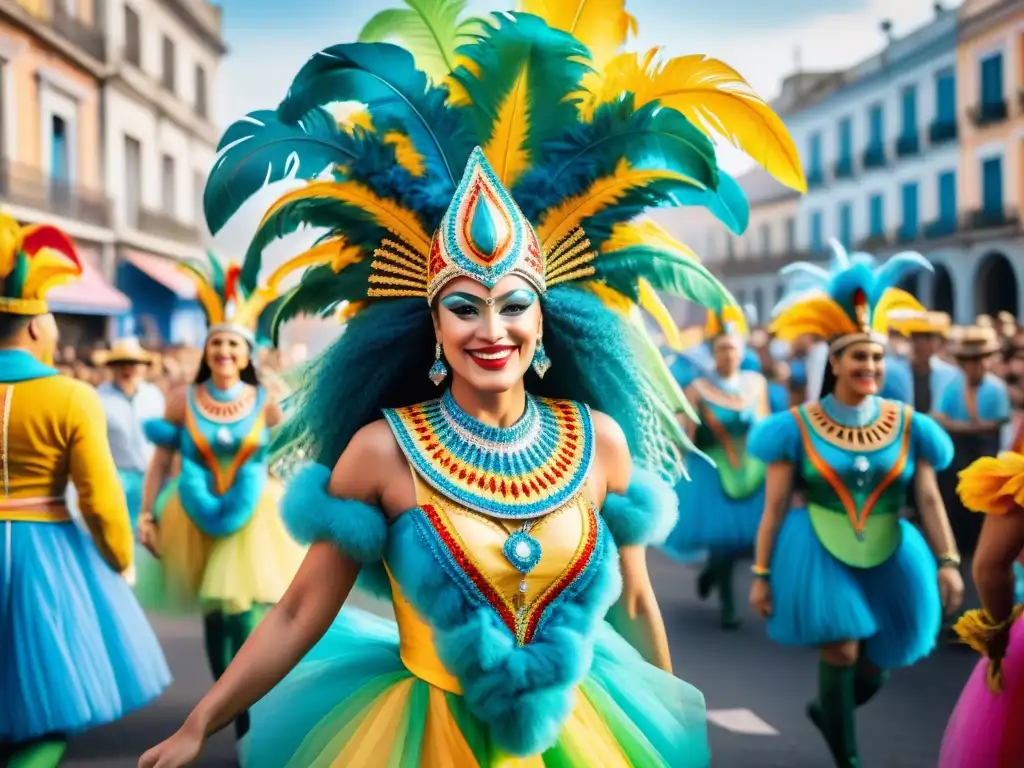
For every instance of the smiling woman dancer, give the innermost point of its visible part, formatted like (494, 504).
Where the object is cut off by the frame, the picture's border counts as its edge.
(217, 529)
(845, 574)
(507, 512)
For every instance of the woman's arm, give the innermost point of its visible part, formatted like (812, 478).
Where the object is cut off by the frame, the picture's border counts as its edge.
(933, 512)
(778, 487)
(636, 616)
(163, 457)
(1001, 542)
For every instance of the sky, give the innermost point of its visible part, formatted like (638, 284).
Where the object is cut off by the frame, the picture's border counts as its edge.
(763, 40)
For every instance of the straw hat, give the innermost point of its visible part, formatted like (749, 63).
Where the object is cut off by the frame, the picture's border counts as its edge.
(908, 322)
(127, 350)
(974, 341)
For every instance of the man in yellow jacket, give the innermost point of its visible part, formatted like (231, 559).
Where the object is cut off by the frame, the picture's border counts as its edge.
(77, 651)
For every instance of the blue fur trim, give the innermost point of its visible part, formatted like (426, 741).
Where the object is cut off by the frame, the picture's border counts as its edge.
(522, 693)
(646, 514)
(931, 442)
(215, 515)
(776, 438)
(161, 432)
(312, 514)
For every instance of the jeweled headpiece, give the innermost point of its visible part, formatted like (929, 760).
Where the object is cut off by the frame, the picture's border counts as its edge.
(483, 234)
(848, 302)
(33, 260)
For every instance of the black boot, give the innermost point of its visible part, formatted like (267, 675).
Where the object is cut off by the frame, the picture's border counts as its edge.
(867, 683)
(832, 713)
(722, 566)
(706, 581)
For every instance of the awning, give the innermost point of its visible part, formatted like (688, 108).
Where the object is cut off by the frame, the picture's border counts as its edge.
(90, 295)
(163, 271)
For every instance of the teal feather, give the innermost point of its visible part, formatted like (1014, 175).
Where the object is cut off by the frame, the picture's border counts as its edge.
(844, 284)
(14, 284)
(666, 271)
(216, 274)
(384, 78)
(650, 137)
(321, 292)
(728, 202)
(895, 269)
(261, 149)
(554, 63)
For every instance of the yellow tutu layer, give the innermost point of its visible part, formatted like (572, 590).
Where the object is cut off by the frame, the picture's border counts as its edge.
(253, 565)
(994, 486)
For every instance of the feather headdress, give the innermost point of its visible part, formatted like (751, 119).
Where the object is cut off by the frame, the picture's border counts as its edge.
(33, 260)
(851, 301)
(522, 143)
(231, 306)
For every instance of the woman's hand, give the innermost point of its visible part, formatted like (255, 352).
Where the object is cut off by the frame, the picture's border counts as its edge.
(149, 534)
(761, 597)
(951, 589)
(180, 749)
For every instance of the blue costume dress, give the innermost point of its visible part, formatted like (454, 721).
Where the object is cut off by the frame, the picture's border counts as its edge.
(720, 506)
(500, 657)
(846, 567)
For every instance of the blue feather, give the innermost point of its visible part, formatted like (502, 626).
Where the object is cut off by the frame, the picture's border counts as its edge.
(384, 78)
(260, 149)
(895, 269)
(728, 202)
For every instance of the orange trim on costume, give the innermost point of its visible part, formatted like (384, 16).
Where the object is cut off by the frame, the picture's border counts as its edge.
(224, 479)
(858, 519)
(721, 435)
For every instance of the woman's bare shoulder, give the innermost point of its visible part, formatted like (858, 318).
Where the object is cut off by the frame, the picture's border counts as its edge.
(370, 468)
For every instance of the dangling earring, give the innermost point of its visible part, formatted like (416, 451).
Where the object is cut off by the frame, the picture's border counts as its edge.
(438, 371)
(541, 361)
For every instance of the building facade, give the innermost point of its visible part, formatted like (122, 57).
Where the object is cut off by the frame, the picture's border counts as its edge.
(159, 143)
(51, 68)
(986, 274)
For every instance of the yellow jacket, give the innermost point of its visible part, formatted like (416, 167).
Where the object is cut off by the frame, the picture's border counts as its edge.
(55, 430)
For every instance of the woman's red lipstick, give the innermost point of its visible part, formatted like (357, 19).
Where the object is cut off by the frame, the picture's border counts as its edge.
(492, 358)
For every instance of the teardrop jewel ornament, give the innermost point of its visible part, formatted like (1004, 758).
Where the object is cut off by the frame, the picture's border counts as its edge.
(522, 550)
(541, 361)
(438, 371)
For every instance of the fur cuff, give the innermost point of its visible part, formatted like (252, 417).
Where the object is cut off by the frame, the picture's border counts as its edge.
(311, 514)
(646, 515)
(161, 432)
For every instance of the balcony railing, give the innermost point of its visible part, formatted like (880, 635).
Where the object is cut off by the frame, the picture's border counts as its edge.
(907, 233)
(907, 145)
(85, 36)
(988, 113)
(989, 219)
(815, 179)
(872, 242)
(30, 187)
(874, 157)
(164, 225)
(944, 226)
(941, 132)
(843, 169)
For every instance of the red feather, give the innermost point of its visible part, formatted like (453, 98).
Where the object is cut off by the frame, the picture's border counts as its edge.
(234, 272)
(36, 237)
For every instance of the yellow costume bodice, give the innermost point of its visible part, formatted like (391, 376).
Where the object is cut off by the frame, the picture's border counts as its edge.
(564, 535)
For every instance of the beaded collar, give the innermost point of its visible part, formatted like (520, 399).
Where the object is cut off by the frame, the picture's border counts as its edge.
(523, 471)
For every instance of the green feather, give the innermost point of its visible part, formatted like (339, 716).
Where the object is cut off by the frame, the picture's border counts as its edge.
(429, 29)
(216, 274)
(665, 270)
(321, 291)
(554, 63)
(15, 282)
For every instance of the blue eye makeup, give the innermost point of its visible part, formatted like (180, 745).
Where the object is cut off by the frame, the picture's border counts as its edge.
(512, 303)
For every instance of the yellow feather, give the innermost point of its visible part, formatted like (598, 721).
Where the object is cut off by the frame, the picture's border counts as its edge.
(10, 243)
(350, 309)
(46, 267)
(652, 303)
(395, 218)
(820, 316)
(558, 222)
(644, 232)
(894, 299)
(611, 298)
(505, 150)
(206, 296)
(405, 153)
(457, 95)
(601, 25)
(714, 97)
(349, 115)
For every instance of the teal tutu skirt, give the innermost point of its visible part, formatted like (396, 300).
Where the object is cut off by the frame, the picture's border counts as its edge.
(77, 649)
(816, 599)
(710, 520)
(352, 702)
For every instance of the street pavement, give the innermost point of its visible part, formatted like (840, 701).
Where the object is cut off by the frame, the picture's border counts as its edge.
(755, 691)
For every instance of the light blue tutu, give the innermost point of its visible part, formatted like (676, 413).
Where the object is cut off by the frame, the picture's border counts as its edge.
(710, 520)
(816, 599)
(359, 657)
(77, 651)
